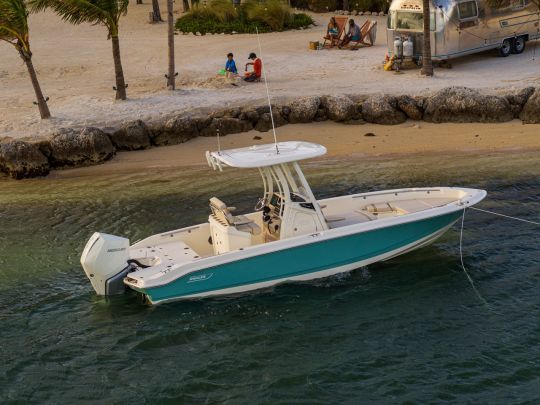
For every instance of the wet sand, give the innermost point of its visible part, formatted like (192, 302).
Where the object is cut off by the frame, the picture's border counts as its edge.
(367, 141)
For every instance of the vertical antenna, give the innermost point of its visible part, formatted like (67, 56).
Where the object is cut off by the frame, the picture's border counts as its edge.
(267, 94)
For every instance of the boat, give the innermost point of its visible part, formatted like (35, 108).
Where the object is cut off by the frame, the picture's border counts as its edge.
(290, 237)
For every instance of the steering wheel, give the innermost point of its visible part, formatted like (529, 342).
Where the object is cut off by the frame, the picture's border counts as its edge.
(260, 204)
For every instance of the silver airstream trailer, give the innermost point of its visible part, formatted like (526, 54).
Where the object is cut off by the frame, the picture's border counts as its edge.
(462, 27)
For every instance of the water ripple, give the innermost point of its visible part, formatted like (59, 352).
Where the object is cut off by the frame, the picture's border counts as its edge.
(407, 330)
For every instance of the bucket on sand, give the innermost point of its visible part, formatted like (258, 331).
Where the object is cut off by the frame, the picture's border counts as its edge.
(313, 45)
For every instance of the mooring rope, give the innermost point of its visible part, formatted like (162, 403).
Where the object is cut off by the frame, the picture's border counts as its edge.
(506, 216)
(471, 282)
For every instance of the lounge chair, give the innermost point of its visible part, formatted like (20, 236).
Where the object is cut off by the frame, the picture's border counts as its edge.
(368, 33)
(341, 22)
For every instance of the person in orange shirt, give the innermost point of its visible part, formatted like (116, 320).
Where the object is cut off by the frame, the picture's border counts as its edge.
(255, 75)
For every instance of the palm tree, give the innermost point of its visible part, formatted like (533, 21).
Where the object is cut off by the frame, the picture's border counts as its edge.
(427, 65)
(14, 29)
(170, 21)
(156, 12)
(97, 12)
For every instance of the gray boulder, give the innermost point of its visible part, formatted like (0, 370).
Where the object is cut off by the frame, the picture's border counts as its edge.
(357, 98)
(20, 159)
(531, 110)
(176, 130)
(303, 110)
(44, 146)
(73, 148)
(132, 136)
(461, 104)
(320, 115)
(382, 110)
(285, 111)
(410, 107)
(261, 109)
(250, 115)
(339, 108)
(518, 100)
(233, 112)
(264, 123)
(226, 126)
(202, 121)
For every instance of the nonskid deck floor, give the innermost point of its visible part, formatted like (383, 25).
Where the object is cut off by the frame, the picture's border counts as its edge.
(400, 207)
(165, 256)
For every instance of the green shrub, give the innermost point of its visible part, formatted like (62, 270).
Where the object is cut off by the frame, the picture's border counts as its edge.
(272, 13)
(222, 17)
(300, 20)
(219, 10)
(223, 10)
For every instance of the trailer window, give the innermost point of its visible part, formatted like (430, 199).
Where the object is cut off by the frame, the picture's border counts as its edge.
(467, 9)
(409, 21)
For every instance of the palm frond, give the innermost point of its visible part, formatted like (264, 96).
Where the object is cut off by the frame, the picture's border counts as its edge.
(105, 12)
(72, 11)
(14, 22)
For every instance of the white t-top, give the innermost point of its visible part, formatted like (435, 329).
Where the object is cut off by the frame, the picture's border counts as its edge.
(267, 155)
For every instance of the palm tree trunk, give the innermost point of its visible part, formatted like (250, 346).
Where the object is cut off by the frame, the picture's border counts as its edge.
(427, 65)
(41, 102)
(170, 21)
(118, 71)
(156, 11)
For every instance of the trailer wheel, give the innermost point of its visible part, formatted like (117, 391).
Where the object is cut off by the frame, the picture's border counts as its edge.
(506, 48)
(519, 45)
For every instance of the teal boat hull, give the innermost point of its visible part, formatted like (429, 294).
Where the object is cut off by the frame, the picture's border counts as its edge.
(301, 262)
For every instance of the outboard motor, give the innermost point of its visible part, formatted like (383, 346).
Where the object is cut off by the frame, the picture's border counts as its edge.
(105, 262)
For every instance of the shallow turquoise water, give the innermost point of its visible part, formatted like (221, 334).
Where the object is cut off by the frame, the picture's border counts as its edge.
(410, 329)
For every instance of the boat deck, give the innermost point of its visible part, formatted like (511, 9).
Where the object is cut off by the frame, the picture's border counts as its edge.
(360, 212)
(162, 257)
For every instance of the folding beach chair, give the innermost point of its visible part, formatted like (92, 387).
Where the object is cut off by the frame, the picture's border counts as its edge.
(368, 34)
(341, 22)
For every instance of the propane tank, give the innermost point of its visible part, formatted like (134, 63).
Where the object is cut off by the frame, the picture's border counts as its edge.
(408, 48)
(398, 47)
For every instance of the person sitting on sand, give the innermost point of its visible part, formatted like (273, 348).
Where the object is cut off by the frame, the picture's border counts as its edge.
(255, 75)
(352, 35)
(332, 30)
(230, 67)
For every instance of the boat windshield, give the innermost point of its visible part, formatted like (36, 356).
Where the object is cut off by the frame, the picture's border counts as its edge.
(406, 20)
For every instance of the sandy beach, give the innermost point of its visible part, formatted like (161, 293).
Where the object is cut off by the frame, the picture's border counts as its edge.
(75, 69)
(355, 141)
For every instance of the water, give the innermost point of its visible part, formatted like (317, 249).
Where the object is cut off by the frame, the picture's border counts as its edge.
(410, 329)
